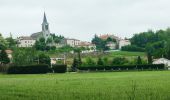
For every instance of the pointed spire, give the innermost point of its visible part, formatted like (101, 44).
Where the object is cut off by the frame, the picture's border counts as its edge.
(45, 19)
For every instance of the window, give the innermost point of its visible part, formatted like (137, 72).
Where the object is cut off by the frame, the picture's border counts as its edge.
(46, 27)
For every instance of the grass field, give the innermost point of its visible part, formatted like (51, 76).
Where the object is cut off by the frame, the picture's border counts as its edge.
(149, 85)
(126, 53)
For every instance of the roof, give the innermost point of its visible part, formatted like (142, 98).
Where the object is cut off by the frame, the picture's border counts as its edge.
(8, 51)
(45, 19)
(105, 36)
(161, 59)
(71, 39)
(84, 43)
(36, 35)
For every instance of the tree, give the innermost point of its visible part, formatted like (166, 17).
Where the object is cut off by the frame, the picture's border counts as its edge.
(100, 44)
(149, 56)
(40, 44)
(100, 62)
(167, 49)
(3, 43)
(4, 57)
(11, 42)
(44, 59)
(139, 60)
(109, 39)
(78, 51)
(149, 50)
(49, 40)
(75, 64)
(57, 39)
(24, 56)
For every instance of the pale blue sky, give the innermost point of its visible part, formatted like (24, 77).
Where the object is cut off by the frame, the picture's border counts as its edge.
(82, 19)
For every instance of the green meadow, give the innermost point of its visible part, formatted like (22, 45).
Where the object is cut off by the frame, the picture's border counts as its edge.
(146, 85)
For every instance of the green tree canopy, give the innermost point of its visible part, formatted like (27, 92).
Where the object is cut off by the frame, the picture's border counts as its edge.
(3, 43)
(4, 57)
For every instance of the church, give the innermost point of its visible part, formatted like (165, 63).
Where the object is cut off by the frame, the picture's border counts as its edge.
(29, 41)
(45, 33)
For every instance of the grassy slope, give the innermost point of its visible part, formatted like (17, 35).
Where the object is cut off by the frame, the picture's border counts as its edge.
(126, 53)
(111, 55)
(87, 86)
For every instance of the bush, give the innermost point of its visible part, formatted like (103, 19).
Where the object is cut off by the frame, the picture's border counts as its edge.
(100, 62)
(3, 68)
(90, 62)
(119, 61)
(132, 48)
(28, 69)
(59, 68)
(124, 67)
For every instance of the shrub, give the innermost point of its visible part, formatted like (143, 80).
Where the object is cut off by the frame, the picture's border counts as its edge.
(28, 69)
(105, 60)
(125, 67)
(3, 68)
(59, 68)
(90, 62)
(119, 61)
(100, 62)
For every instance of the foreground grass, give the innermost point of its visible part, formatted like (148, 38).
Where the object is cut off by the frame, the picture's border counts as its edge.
(87, 86)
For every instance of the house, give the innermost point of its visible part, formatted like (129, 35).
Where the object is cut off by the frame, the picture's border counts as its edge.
(71, 42)
(112, 45)
(25, 41)
(123, 43)
(106, 36)
(164, 61)
(89, 47)
(56, 60)
(9, 53)
(117, 42)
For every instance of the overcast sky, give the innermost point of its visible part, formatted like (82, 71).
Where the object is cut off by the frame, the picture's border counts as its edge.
(82, 19)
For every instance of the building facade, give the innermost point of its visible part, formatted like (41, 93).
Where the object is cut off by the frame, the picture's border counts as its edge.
(124, 43)
(112, 45)
(88, 46)
(164, 61)
(71, 42)
(25, 41)
(117, 42)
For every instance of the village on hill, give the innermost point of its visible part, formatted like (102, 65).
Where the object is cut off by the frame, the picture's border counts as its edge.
(115, 43)
(61, 50)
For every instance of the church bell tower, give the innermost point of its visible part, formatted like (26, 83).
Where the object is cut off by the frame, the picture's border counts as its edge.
(45, 28)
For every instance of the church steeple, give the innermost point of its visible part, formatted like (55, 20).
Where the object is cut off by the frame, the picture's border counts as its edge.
(45, 28)
(45, 19)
